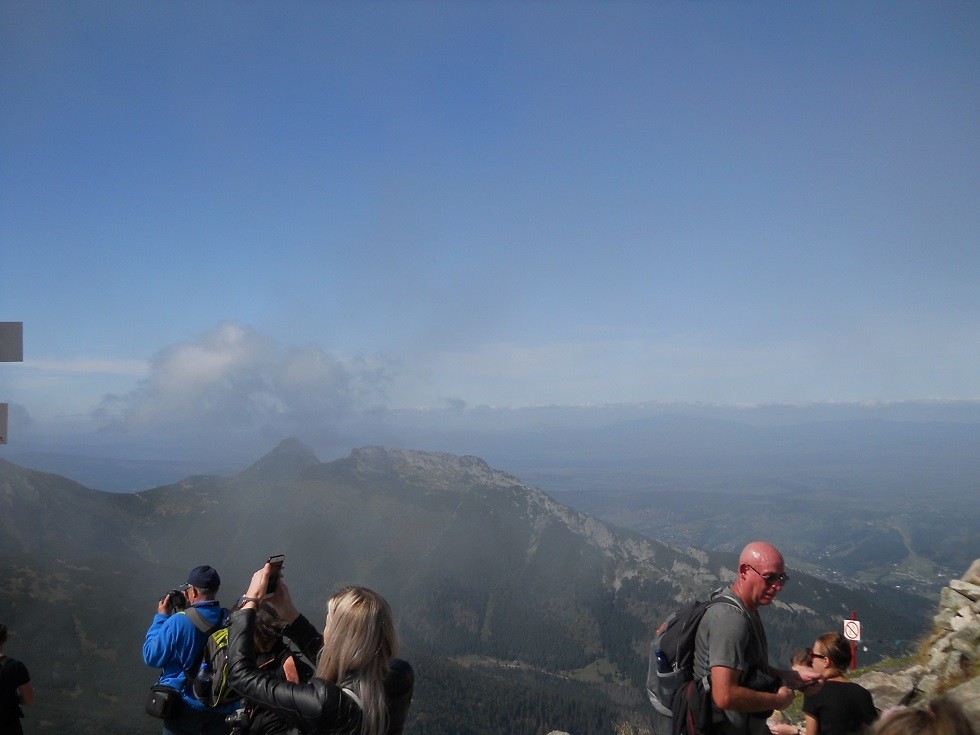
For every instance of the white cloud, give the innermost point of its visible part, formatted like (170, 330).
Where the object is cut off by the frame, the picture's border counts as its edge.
(234, 378)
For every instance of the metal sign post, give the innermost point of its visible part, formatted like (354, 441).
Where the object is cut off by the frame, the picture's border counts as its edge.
(852, 632)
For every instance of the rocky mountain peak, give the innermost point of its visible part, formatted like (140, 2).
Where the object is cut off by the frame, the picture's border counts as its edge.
(291, 455)
(440, 466)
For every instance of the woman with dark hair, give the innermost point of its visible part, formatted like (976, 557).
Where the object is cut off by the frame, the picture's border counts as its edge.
(358, 688)
(272, 654)
(841, 707)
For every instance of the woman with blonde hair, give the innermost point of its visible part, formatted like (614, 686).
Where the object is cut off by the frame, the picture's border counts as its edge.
(358, 688)
(942, 717)
(841, 707)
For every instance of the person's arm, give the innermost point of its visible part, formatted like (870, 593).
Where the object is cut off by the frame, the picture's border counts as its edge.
(306, 638)
(297, 628)
(310, 706)
(25, 694)
(160, 644)
(727, 693)
(812, 727)
(289, 670)
(800, 678)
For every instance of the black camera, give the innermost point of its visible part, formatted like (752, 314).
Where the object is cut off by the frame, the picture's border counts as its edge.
(178, 601)
(238, 721)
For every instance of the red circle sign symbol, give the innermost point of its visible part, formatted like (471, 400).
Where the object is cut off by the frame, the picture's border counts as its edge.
(852, 630)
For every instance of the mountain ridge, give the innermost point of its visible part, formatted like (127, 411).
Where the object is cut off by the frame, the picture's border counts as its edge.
(475, 562)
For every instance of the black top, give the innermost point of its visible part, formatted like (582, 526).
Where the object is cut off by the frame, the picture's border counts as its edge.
(13, 674)
(840, 708)
(317, 706)
(264, 721)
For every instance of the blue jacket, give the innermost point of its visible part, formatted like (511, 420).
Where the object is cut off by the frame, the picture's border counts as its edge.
(173, 643)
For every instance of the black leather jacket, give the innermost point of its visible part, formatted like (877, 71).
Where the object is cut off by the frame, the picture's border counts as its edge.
(318, 706)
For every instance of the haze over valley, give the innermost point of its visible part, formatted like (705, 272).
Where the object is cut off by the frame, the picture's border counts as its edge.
(498, 589)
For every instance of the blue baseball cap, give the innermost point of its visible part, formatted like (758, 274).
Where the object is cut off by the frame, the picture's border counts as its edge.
(204, 578)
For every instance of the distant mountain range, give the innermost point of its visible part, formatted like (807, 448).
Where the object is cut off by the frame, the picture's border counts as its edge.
(502, 594)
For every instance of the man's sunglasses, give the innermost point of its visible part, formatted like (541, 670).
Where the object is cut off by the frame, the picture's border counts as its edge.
(771, 579)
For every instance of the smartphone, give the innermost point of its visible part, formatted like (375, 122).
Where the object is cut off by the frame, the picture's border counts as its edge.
(276, 562)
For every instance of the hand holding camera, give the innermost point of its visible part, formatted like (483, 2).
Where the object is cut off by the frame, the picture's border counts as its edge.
(172, 602)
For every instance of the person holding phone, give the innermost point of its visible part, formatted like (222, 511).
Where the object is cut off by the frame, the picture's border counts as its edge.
(358, 686)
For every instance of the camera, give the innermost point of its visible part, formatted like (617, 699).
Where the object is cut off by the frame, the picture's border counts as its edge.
(178, 601)
(238, 721)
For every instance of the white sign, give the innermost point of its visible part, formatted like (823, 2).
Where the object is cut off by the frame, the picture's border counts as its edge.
(852, 630)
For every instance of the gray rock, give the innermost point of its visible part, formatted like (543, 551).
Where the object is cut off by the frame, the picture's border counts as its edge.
(889, 690)
(967, 589)
(967, 695)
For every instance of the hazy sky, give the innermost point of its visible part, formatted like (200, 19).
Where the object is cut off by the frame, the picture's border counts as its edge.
(225, 213)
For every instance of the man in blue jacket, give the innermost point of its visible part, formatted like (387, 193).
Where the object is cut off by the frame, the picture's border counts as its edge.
(175, 645)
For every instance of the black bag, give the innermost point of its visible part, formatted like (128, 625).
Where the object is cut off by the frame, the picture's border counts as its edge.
(163, 701)
(693, 713)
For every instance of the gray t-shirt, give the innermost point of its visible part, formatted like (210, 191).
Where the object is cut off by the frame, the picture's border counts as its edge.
(732, 637)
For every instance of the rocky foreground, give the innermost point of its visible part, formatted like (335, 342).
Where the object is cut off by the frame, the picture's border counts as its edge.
(949, 661)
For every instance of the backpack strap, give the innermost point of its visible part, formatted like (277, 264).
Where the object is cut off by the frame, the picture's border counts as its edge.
(727, 598)
(353, 695)
(194, 615)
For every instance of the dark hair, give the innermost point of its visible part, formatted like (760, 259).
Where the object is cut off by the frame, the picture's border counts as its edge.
(268, 626)
(838, 650)
(3, 634)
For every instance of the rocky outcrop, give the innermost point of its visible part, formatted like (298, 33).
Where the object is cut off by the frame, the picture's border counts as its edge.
(950, 659)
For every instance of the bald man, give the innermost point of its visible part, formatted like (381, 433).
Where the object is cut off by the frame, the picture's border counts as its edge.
(731, 651)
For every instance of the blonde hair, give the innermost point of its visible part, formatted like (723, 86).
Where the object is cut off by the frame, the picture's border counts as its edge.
(942, 717)
(359, 642)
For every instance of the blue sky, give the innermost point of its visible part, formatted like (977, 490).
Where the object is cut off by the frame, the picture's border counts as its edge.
(240, 214)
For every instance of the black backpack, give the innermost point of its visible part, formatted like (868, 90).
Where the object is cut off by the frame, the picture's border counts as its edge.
(670, 676)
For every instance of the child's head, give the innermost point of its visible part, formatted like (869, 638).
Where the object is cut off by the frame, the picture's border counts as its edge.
(802, 657)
